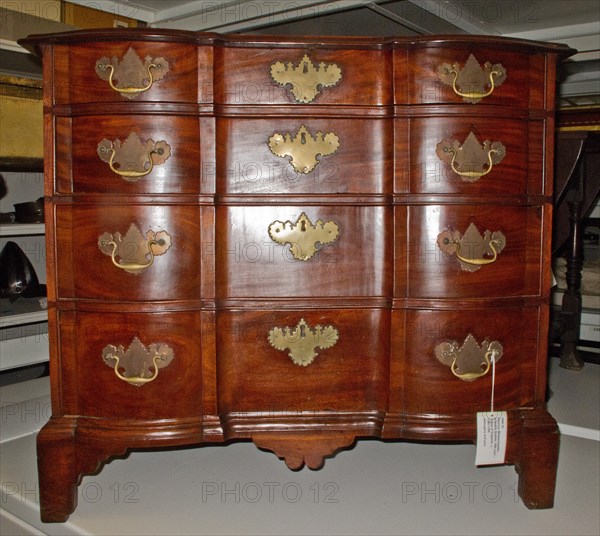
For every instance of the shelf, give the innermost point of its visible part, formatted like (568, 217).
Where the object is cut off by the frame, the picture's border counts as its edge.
(588, 301)
(22, 311)
(24, 351)
(21, 229)
(21, 164)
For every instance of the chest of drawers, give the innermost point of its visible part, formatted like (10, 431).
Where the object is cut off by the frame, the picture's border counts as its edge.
(299, 242)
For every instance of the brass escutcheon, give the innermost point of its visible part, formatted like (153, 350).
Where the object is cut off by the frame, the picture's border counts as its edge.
(302, 341)
(137, 365)
(303, 148)
(472, 82)
(472, 249)
(471, 160)
(131, 76)
(303, 236)
(305, 79)
(135, 251)
(134, 158)
(469, 361)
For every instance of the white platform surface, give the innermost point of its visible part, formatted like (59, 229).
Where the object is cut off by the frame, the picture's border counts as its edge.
(375, 488)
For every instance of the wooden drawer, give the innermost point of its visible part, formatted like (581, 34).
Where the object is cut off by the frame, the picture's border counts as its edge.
(87, 367)
(350, 374)
(128, 154)
(264, 156)
(178, 72)
(431, 387)
(425, 76)
(450, 155)
(158, 252)
(283, 251)
(316, 76)
(450, 250)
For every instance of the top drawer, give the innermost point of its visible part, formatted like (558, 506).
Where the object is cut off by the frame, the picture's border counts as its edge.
(132, 72)
(469, 74)
(302, 76)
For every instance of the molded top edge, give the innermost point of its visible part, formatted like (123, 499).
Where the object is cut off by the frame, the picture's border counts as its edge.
(34, 42)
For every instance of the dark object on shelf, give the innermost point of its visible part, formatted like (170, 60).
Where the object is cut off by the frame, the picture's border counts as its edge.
(30, 212)
(17, 275)
(576, 185)
(7, 217)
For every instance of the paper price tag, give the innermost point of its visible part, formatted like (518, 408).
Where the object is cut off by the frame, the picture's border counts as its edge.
(491, 437)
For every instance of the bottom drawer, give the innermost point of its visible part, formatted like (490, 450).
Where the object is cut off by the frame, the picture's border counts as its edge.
(283, 361)
(447, 359)
(131, 365)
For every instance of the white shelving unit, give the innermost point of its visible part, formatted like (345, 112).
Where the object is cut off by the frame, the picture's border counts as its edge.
(21, 229)
(24, 322)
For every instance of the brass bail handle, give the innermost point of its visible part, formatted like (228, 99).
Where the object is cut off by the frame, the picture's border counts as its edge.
(130, 173)
(470, 376)
(133, 265)
(472, 174)
(130, 90)
(136, 380)
(474, 94)
(478, 262)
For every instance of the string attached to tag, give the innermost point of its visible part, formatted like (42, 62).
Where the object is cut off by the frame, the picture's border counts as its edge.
(493, 360)
(492, 429)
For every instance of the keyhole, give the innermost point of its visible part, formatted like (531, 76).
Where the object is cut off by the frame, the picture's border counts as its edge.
(303, 138)
(303, 226)
(305, 69)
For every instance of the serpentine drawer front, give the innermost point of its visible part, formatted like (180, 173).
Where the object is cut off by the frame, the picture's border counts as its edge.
(296, 243)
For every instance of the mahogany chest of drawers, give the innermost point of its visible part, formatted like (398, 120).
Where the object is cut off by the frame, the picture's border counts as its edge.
(296, 242)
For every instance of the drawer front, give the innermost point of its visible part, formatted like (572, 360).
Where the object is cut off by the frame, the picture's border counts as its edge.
(482, 251)
(255, 76)
(90, 342)
(133, 252)
(303, 251)
(479, 156)
(304, 155)
(137, 72)
(469, 74)
(348, 373)
(440, 342)
(129, 154)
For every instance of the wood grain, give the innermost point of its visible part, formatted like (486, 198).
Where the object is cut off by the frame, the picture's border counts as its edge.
(214, 296)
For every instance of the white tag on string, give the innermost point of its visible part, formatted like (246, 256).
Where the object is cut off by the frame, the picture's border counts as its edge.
(491, 430)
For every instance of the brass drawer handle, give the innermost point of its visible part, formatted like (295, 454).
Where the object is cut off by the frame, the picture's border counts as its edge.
(140, 364)
(136, 251)
(134, 158)
(303, 236)
(471, 160)
(302, 341)
(470, 81)
(132, 75)
(478, 246)
(303, 148)
(306, 81)
(469, 361)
